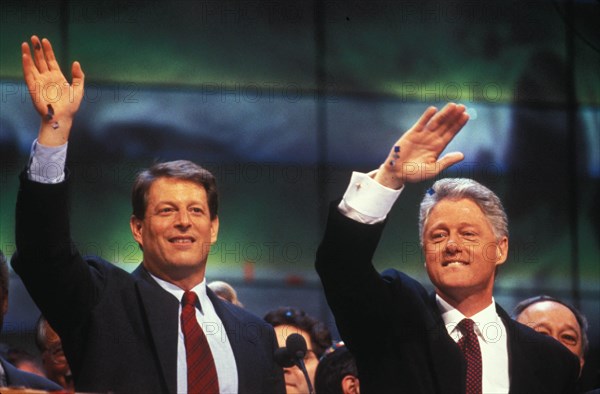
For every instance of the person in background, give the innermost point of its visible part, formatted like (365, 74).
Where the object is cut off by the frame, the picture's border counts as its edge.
(10, 376)
(225, 291)
(337, 372)
(54, 362)
(289, 320)
(553, 317)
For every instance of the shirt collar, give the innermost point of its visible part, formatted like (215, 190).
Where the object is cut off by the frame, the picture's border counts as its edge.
(177, 292)
(452, 316)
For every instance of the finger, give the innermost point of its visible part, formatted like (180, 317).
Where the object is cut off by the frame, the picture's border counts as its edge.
(425, 118)
(49, 55)
(29, 70)
(457, 124)
(442, 117)
(38, 54)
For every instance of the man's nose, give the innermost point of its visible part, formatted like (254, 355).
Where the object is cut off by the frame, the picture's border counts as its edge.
(452, 247)
(183, 218)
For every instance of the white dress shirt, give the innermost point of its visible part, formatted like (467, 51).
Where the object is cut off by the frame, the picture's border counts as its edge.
(367, 201)
(492, 337)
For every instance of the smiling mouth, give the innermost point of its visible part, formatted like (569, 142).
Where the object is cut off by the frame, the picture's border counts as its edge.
(454, 263)
(182, 240)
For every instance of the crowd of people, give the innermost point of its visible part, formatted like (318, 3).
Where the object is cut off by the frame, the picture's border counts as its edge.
(164, 329)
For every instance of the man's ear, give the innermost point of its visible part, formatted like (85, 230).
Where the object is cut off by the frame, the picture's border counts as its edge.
(136, 226)
(350, 385)
(214, 230)
(502, 251)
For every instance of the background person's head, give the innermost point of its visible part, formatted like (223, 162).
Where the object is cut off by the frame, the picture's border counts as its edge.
(225, 291)
(558, 319)
(54, 361)
(287, 321)
(337, 372)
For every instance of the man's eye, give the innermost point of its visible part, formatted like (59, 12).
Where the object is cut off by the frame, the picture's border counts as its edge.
(196, 210)
(570, 339)
(166, 210)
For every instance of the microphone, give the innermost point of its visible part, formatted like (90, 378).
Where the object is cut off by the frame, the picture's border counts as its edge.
(283, 358)
(296, 348)
(296, 345)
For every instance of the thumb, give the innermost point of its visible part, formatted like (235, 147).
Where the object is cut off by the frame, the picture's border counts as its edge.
(450, 159)
(78, 79)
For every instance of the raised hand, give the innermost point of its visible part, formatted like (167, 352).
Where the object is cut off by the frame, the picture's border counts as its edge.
(415, 156)
(53, 97)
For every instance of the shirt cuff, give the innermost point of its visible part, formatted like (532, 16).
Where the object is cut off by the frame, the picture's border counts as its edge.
(366, 200)
(47, 163)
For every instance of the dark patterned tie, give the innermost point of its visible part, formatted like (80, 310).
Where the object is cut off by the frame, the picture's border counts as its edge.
(201, 371)
(470, 348)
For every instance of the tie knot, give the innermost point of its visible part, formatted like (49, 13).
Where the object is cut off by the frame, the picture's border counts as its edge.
(189, 298)
(466, 326)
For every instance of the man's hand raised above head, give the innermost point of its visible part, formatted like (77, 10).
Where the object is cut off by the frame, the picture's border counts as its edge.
(415, 156)
(53, 97)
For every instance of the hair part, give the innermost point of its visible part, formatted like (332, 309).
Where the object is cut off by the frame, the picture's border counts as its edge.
(459, 188)
(178, 169)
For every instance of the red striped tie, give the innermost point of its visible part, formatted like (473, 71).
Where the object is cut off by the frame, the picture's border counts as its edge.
(201, 371)
(470, 348)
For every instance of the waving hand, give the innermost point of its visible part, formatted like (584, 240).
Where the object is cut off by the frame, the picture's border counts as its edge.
(53, 97)
(415, 156)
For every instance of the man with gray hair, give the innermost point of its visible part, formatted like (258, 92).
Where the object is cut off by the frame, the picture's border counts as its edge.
(457, 339)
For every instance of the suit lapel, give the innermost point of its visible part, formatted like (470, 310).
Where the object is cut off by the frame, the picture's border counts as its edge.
(520, 368)
(161, 312)
(243, 344)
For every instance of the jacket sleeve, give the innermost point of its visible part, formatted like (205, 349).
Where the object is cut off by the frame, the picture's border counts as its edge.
(61, 283)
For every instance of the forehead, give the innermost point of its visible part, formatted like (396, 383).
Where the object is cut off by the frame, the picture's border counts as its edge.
(456, 211)
(175, 189)
(283, 331)
(550, 312)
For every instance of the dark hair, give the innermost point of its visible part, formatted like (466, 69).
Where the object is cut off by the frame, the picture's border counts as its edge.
(318, 331)
(333, 367)
(580, 317)
(3, 274)
(178, 169)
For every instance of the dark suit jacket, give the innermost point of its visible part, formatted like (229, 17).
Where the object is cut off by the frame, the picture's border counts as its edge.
(119, 330)
(394, 329)
(17, 378)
